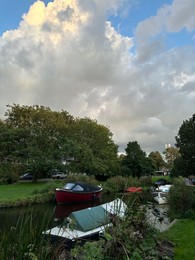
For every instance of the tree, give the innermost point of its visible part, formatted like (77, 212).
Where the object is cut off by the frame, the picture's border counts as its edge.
(37, 136)
(136, 162)
(94, 150)
(171, 154)
(41, 138)
(185, 142)
(157, 159)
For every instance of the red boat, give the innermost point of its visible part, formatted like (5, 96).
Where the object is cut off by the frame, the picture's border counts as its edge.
(133, 189)
(77, 192)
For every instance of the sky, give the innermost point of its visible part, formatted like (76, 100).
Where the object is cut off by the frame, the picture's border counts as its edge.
(129, 64)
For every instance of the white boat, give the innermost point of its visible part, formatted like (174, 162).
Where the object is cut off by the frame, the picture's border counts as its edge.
(164, 188)
(87, 222)
(160, 196)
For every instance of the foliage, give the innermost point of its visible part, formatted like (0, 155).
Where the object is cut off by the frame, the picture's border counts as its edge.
(135, 162)
(9, 172)
(83, 178)
(40, 139)
(24, 241)
(157, 159)
(171, 154)
(128, 238)
(119, 183)
(89, 251)
(185, 142)
(93, 150)
(181, 199)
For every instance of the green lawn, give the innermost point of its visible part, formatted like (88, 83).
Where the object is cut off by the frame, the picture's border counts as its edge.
(183, 235)
(155, 178)
(19, 191)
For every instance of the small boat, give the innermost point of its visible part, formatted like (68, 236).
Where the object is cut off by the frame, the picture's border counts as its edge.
(77, 192)
(164, 188)
(134, 189)
(160, 195)
(161, 198)
(88, 222)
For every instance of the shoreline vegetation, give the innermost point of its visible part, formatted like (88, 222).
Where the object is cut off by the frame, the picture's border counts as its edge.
(181, 235)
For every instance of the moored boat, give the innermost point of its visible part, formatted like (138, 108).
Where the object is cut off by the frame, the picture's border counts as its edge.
(161, 198)
(134, 189)
(77, 192)
(88, 222)
(161, 193)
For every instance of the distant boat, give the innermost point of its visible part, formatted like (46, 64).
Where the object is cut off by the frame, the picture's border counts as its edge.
(134, 189)
(160, 196)
(77, 192)
(88, 222)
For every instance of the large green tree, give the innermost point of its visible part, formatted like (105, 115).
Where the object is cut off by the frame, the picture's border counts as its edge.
(171, 154)
(37, 136)
(157, 159)
(93, 150)
(41, 138)
(136, 163)
(185, 142)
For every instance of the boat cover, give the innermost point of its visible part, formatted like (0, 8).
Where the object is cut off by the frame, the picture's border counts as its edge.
(88, 219)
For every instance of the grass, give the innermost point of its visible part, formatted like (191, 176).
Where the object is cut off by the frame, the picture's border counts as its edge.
(183, 235)
(26, 193)
(155, 178)
(17, 191)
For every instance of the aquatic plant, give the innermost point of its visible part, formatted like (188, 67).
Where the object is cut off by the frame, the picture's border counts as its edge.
(25, 240)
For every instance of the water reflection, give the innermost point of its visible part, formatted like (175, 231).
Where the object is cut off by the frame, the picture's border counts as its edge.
(63, 210)
(43, 215)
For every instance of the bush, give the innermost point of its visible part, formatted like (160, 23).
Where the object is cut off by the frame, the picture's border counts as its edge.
(181, 199)
(128, 238)
(119, 183)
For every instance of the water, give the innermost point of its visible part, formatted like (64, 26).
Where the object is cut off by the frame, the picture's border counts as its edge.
(49, 215)
(43, 215)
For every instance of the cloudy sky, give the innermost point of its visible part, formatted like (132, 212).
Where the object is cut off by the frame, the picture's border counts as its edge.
(129, 64)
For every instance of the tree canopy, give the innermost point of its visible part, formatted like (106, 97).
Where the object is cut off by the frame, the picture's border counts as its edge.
(185, 142)
(41, 138)
(136, 163)
(157, 159)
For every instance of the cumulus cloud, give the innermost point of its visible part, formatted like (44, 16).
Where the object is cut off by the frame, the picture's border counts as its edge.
(67, 55)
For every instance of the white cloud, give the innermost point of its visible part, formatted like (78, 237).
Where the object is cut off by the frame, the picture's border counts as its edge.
(66, 55)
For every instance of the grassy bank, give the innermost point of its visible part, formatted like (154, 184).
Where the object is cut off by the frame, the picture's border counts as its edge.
(182, 234)
(25, 193)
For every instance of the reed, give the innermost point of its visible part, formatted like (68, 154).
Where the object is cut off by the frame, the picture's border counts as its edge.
(25, 239)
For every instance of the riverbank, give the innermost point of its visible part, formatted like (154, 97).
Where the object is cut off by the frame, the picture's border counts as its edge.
(25, 193)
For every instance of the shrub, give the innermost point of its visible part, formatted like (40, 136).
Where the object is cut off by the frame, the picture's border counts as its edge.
(128, 238)
(82, 177)
(181, 199)
(119, 183)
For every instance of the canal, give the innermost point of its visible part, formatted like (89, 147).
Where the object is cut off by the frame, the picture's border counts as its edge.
(43, 215)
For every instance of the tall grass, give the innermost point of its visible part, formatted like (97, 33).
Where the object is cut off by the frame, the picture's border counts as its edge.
(25, 239)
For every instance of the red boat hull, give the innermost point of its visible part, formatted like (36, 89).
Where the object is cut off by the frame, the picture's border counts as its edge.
(133, 189)
(65, 196)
